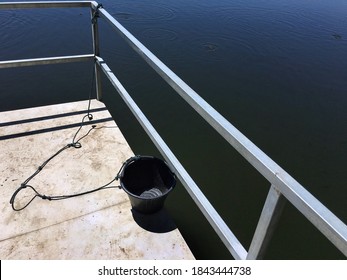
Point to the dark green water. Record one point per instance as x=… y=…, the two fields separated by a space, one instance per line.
x=277 y=70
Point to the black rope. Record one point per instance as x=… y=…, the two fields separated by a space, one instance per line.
x=75 y=144
x=96 y=13
x=54 y=197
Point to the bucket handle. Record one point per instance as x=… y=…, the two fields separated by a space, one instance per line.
x=127 y=162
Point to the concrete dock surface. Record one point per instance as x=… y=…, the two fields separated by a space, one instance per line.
x=100 y=225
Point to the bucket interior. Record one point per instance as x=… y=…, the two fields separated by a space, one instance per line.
x=147 y=178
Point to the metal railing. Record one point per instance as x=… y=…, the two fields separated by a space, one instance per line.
x=283 y=187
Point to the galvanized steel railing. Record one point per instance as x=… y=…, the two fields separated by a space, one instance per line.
x=282 y=186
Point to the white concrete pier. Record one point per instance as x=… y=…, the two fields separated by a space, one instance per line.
x=95 y=226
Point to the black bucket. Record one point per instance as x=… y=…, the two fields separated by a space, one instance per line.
x=147 y=180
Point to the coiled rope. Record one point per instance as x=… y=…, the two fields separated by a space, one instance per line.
x=75 y=144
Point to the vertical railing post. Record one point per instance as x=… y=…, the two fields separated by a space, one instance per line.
x=269 y=217
x=96 y=50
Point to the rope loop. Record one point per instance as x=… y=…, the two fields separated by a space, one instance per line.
x=76 y=144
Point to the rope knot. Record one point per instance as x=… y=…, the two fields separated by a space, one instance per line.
x=96 y=13
x=46 y=197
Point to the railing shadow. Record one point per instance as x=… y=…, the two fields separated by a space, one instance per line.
x=55 y=128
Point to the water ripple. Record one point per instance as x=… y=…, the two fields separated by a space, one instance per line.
x=24 y=33
x=14 y=27
x=159 y=33
x=149 y=12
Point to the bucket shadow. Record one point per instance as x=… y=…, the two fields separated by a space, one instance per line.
x=158 y=222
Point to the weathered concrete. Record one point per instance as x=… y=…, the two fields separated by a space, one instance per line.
x=100 y=225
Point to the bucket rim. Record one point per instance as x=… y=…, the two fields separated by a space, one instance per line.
x=132 y=159
x=135 y=158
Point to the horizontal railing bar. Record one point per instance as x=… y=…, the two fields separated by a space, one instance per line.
x=332 y=227
x=223 y=231
x=45 y=4
x=45 y=61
